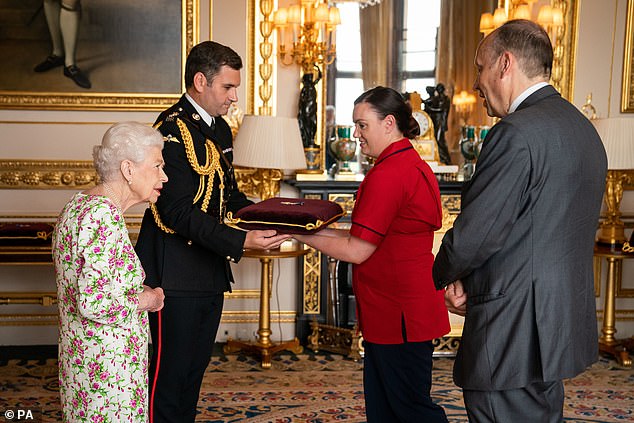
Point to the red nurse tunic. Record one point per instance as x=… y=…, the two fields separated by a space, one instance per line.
x=398 y=209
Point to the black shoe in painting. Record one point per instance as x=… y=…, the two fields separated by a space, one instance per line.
x=74 y=73
x=49 y=63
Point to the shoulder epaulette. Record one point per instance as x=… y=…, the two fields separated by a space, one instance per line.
x=173 y=115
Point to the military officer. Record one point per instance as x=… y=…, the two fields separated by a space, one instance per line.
x=183 y=244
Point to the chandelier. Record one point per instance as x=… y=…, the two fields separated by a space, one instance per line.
x=306 y=33
x=549 y=17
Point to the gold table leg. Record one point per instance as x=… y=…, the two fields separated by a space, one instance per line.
x=607 y=343
x=263 y=345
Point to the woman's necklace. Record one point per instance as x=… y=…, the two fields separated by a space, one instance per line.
x=114 y=197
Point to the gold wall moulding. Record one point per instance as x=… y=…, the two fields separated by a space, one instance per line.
x=50 y=298
x=242 y=294
x=627 y=93
x=39 y=298
x=621 y=315
x=80 y=174
x=126 y=93
x=51 y=319
x=48 y=174
x=61 y=101
x=47 y=319
x=253 y=316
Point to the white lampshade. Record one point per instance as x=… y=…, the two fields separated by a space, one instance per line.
x=617 y=135
x=269 y=142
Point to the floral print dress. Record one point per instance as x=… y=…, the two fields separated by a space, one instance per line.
x=103 y=339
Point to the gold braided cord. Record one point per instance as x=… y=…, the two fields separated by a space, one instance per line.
x=159 y=222
x=210 y=169
x=318 y=223
x=627 y=248
x=201 y=187
x=213 y=157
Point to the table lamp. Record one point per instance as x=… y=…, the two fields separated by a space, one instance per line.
x=617 y=135
x=270 y=144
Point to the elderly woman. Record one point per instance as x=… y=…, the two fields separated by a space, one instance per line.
x=103 y=303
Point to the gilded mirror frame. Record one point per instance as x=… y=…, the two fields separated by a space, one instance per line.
x=627 y=93
x=120 y=101
x=565 y=48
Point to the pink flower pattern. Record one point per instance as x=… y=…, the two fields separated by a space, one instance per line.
x=103 y=339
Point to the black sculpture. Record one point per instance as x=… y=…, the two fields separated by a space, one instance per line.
x=307 y=113
x=437 y=107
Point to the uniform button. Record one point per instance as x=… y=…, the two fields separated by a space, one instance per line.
x=228 y=257
x=189 y=242
x=233 y=260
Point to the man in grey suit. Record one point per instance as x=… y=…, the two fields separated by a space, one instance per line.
x=518 y=261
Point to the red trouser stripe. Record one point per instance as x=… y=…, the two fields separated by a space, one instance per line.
x=156 y=370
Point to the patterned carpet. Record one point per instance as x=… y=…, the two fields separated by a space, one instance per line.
x=312 y=389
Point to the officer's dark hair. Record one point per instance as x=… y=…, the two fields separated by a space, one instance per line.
x=386 y=101
x=208 y=57
x=528 y=42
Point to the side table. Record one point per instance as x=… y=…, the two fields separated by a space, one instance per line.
x=263 y=345
x=607 y=342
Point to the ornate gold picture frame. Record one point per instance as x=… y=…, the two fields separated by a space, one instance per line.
x=133 y=53
x=627 y=94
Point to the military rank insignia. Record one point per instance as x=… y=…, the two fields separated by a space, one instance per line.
x=171 y=116
x=170 y=138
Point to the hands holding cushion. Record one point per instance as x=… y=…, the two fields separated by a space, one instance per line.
x=270 y=222
x=287 y=215
x=264 y=240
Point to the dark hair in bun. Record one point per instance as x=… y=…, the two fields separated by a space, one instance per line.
x=386 y=101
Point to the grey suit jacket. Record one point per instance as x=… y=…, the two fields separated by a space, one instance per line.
x=523 y=247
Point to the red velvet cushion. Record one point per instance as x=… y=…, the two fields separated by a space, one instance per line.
x=26 y=233
x=288 y=215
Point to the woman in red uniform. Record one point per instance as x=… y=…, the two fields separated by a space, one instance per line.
x=390 y=241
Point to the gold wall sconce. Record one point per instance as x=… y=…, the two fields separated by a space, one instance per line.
x=306 y=33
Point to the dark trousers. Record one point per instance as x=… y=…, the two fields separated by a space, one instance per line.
x=540 y=402
x=183 y=335
x=397 y=383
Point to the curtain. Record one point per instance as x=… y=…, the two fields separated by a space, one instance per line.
x=376 y=24
x=458 y=38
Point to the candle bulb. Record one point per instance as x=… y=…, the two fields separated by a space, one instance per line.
x=280 y=19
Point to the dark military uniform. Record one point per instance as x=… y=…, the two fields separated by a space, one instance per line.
x=186 y=250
